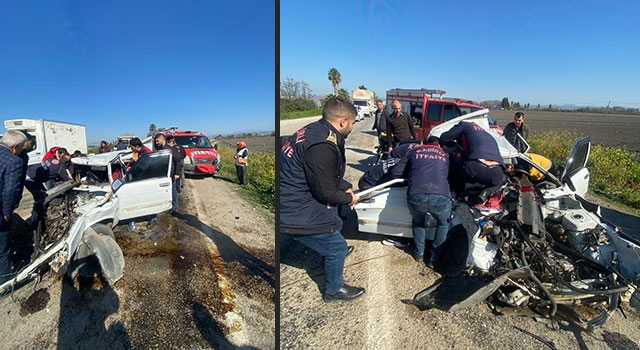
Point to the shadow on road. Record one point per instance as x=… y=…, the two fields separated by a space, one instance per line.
x=363 y=164
x=230 y=251
x=83 y=317
x=296 y=254
x=210 y=330
x=359 y=150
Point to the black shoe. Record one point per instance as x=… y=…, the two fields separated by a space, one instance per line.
x=346 y=293
x=418 y=258
x=350 y=250
x=429 y=264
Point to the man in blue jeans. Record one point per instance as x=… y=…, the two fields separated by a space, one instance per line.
x=312 y=165
x=428 y=193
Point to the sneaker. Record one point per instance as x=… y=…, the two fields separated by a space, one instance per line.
x=418 y=258
x=132 y=226
x=395 y=242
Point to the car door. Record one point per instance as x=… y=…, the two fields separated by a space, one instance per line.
x=146 y=189
x=433 y=117
x=576 y=174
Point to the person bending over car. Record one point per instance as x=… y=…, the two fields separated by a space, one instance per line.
x=479 y=160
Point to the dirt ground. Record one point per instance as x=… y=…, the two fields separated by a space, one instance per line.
x=204 y=279
x=380 y=320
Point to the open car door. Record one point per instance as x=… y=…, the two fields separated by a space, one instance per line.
x=146 y=189
x=576 y=174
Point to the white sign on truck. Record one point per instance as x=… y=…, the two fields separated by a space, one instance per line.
x=49 y=133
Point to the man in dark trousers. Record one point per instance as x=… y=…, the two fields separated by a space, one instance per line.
x=241 y=158
x=399 y=126
x=11 y=166
x=171 y=141
x=478 y=162
x=24 y=155
x=161 y=144
x=515 y=128
x=427 y=169
x=312 y=165
x=380 y=125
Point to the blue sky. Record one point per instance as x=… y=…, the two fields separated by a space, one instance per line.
x=118 y=66
x=547 y=52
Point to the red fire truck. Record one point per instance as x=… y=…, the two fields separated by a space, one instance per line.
x=202 y=158
x=428 y=111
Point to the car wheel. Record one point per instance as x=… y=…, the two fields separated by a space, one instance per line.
x=84 y=262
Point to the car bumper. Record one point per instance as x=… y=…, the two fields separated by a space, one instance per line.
x=192 y=169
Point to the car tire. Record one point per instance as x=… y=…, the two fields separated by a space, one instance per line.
x=84 y=263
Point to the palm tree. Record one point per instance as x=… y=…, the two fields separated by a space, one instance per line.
x=335 y=78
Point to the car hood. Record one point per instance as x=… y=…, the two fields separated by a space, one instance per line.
x=480 y=117
x=101 y=159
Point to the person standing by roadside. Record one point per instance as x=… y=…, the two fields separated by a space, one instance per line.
x=515 y=128
x=24 y=155
x=104 y=147
x=399 y=126
x=121 y=145
x=183 y=154
x=161 y=143
x=312 y=165
x=139 y=150
x=428 y=193
x=241 y=158
x=379 y=123
x=11 y=166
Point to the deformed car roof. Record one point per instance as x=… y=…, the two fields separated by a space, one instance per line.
x=101 y=159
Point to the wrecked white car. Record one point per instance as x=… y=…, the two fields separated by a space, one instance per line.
x=542 y=250
x=73 y=232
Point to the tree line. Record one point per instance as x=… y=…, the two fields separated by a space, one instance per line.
x=513 y=105
x=297 y=96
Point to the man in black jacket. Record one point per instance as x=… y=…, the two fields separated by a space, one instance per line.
x=160 y=144
x=11 y=167
x=515 y=128
x=399 y=126
x=312 y=165
x=183 y=154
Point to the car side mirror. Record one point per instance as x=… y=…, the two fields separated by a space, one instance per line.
x=116 y=185
x=215 y=146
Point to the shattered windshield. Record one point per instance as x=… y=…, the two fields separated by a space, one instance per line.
x=193 y=141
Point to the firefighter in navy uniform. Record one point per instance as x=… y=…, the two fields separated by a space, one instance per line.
x=312 y=165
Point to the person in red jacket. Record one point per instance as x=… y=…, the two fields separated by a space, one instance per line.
x=52 y=153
